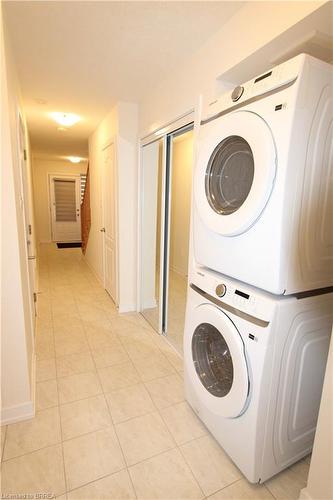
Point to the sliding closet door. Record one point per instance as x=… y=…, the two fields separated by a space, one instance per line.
x=179 y=211
x=152 y=232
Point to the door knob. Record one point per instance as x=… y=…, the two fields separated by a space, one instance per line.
x=102 y=230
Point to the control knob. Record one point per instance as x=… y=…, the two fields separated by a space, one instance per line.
x=221 y=290
x=237 y=93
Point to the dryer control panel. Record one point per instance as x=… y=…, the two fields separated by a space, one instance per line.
x=270 y=81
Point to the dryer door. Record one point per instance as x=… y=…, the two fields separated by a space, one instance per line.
x=235 y=172
x=217 y=361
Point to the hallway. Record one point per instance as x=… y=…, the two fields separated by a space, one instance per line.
x=111 y=421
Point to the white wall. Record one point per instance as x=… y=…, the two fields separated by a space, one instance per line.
x=41 y=170
x=17 y=342
x=253 y=26
x=320 y=479
x=120 y=125
x=181 y=191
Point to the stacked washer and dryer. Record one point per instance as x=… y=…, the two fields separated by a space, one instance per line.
x=260 y=301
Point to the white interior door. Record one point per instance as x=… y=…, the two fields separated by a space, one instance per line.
x=27 y=206
x=109 y=229
x=65 y=208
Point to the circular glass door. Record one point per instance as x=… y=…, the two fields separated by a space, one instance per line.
x=214 y=356
x=212 y=360
x=235 y=172
x=229 y=175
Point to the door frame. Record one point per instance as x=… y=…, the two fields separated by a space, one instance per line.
x=112 y=141
x=163 y=132
x=167 y=232
x=51 y=195
x=26 y=204
x=162 y=229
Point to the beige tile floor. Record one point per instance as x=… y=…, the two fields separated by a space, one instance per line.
x=111 y=420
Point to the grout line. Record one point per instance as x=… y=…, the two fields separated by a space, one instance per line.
x=95 y=481
x=4 y=442
x=32 y=451
x=61 y=431
x=111 y=419
x=225 y=487
x=140 y=381
x=191 y=471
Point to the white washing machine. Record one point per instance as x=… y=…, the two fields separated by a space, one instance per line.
x=254 y=367
x=263 y=181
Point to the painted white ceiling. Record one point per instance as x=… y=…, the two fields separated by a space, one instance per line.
x=82 y=57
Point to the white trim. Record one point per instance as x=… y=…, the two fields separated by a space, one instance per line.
x=99 y=279
x=162 y=235
x=139 y=227
x=184 y=120
x=165 y=254
x=17 y=413
x=169 y=127
x=305 y=495
x=125 y=308
x=23 y=411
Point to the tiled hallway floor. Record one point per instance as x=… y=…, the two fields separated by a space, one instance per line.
x=111 y=420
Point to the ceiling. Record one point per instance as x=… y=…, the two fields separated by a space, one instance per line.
x=82 y=57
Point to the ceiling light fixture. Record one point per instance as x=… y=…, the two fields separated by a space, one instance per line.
x=74 y=159
x=65 y=119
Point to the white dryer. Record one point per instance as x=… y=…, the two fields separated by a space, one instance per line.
x=263 y=181
x=254 y=365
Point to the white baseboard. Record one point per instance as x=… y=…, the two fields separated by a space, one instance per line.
x=23 y=411
x=150 y=304
x=304 y=495
x=99 y=279
x=125 y=308
x=17 y=413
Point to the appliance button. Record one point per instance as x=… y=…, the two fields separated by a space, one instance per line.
x=237 y=93
x=221 y=290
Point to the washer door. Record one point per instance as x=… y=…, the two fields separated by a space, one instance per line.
x=235 y=172
x=217 y=361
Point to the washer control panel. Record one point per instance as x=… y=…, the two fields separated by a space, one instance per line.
x=236 y=294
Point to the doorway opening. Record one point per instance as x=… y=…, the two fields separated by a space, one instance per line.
x=65 y=197
x=166 y=187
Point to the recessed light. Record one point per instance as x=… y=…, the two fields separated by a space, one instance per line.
x=74 y=159
x=65 y=119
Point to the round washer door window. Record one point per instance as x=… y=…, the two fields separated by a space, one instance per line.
x=215 y=361
x=235 y=172
x=212 y=360
x=229 y=175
